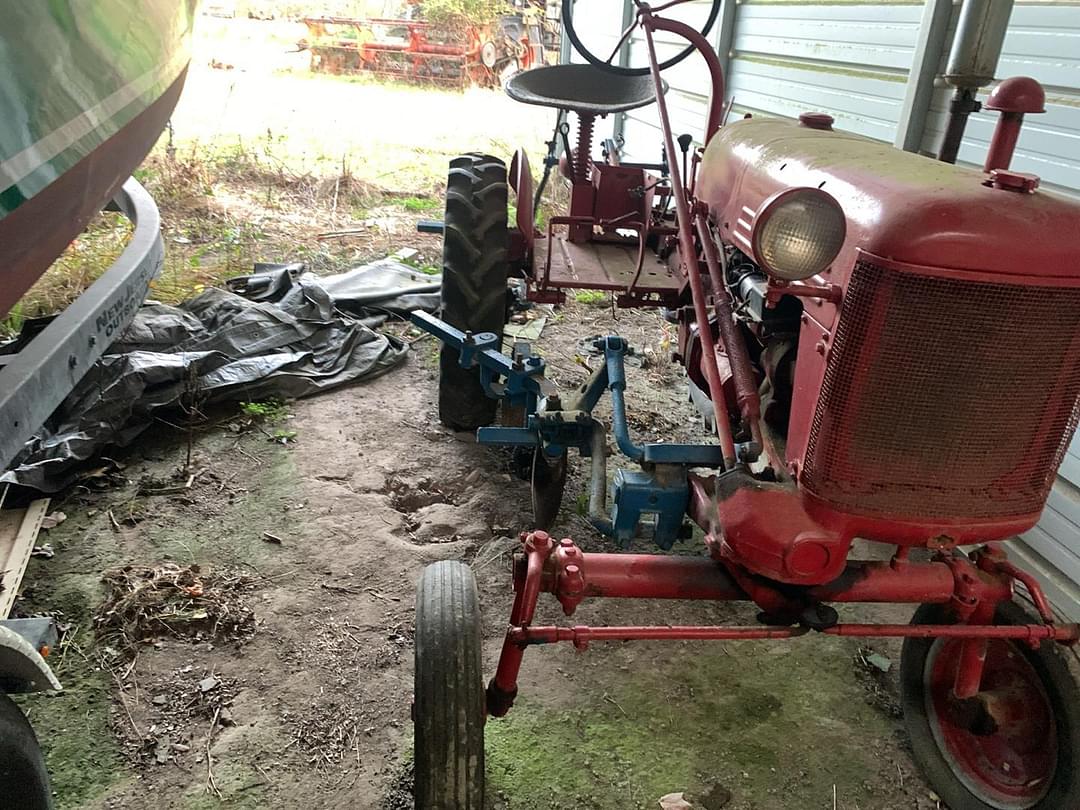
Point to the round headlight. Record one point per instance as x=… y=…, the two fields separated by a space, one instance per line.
x=798 y=232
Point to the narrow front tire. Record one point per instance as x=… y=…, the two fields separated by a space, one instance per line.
x=448 y=721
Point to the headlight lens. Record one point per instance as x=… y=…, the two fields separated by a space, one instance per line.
x=798 y=232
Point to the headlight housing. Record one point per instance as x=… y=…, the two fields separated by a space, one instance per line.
x=798 y=232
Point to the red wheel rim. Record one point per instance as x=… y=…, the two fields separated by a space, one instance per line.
x=1002 y=747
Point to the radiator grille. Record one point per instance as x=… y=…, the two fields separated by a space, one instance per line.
x=945 y=398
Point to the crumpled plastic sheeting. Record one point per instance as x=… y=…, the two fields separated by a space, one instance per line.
x=219 y=345
x=386 y=286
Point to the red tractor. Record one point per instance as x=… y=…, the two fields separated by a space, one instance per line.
x=885 y=347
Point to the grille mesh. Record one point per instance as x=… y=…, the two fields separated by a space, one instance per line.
x=945 y=398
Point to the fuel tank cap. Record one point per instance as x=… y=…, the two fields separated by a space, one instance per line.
x=816 y=120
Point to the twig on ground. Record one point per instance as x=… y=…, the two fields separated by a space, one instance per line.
x=171 y=490
x=613 y=702
x=378 y=595
x=211 y=783
x=338 y=234
x=120 y=692
x=352 y=638
x=339 y=588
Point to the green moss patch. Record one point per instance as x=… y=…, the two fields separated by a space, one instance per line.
x=752 y=722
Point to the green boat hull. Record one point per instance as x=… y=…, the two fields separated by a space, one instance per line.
x=86 y=87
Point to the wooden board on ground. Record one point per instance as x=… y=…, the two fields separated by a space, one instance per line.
x=18 y=530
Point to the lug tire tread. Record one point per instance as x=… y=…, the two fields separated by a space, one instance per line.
x=475 y=245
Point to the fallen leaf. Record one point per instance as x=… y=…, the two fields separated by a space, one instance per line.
x=53 y=520
x=675 y=801
x=206 y=684
x=879 y=661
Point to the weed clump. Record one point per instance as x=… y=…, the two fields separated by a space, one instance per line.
x=592 y=298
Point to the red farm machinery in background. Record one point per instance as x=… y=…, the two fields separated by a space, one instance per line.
x=421 y=51
x=883 y=346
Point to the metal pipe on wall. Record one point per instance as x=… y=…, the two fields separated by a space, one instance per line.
x=976 y=49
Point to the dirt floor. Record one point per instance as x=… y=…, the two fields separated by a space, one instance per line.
x=304 y=531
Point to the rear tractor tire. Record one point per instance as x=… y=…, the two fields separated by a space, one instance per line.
x=474 y=295
x=1014 y=747
x=448 y=709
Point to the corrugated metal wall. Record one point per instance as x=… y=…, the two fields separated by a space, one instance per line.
x=789 y=57
x=687 y=97
x=1052 y=549
x=854 y=61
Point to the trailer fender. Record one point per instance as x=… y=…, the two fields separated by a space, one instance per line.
x=22 y=668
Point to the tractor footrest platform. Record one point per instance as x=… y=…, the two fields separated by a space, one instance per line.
x=605 y=266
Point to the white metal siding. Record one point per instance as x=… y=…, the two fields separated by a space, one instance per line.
x=688 y=94
x=850 y=60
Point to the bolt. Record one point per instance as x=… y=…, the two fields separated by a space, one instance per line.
x=468 y=338
x=820 y=347
x=566 y=542
x=93 y=341
x=72 y=361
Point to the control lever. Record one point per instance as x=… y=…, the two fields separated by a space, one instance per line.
x=684 y=144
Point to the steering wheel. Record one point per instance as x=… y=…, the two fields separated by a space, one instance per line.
x=568 y=28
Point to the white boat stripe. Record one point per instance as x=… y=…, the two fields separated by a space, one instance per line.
x=25 y=162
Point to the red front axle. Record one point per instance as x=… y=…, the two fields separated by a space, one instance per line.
x=972 y=587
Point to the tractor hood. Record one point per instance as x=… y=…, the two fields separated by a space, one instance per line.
x=899 y=206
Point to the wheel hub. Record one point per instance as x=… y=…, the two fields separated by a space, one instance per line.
x=1001 y=744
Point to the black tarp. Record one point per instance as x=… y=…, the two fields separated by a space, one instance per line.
x=303 y=335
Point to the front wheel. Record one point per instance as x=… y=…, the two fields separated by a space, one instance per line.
x=1016 y=745
x=448 y=720
x=22 y=767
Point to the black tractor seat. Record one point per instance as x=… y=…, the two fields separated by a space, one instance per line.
x=583 y=89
